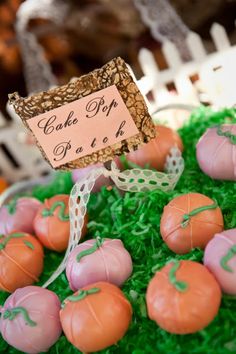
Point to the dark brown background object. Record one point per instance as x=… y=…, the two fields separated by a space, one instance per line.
x=94 y=32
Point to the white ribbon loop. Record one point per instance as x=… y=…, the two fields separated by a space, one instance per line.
x=140 y=180
x=80 y=191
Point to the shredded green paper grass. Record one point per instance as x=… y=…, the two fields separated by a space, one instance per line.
x=135 y=218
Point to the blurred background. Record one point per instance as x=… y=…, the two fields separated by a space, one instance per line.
x=94 y=31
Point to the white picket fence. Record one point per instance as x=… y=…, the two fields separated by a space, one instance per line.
x=19 y=161
x=180 y=73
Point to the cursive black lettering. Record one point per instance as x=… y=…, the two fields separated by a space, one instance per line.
x=79 y=150
x=93 y=143
x=60 y=150
x=59 y=126
x=48 y=127
x=47 y=124
x=105 y=140
x=97 y=105
x=120 y=132
x=69 y=121
x=93 y=106
x=113 y=104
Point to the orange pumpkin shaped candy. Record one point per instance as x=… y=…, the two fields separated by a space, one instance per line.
x=21 y=261
x=52 y=223
x=183 y=297
x=156 y=151
x=3 y=184
x=96 y=317
x=190 y=220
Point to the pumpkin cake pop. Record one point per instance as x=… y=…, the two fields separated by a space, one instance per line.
x=190 y=220
x=52 y=223
x=98 y=260
x=3 y=184
x=18 y=215
x=183 y=297
x=30 y=319
x=96 y=317
x=220 y=259
x=216 y=152
x=21 y=261
x=156 y=151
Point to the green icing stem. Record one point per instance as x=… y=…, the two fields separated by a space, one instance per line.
x=186 y=217
x=98 y=243
x=15 y=235
x=81 y=295
x=181 y=286
x=224 y=260
x=62 y=216
x=11 y=206
x=29 y=244
x=227 y=134
x=11 y=314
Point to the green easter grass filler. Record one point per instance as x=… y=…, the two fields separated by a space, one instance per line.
x=135 y=219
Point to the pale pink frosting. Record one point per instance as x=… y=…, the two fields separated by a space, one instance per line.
x=217 y=248
x=216 y=155
x=22 y=219
x=43 y=307
x=111 y=262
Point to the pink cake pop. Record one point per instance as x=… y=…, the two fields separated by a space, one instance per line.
x=78 y=174
x=98 y=260
x=18 y=215
x=30 y=319
x=216 y=152
x=220 y=259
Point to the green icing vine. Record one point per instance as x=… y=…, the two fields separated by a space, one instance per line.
x=62 y=216
x=229 y=255
x=98 y=243
x=81 y=295
x=181 y=286
x=15 y=235
x=227 y=134
x=186 y=217
x=11 y=314
x=11 y=206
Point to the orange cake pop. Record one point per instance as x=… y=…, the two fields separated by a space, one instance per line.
x=21 y=261
x=3 y=184
x=190 y=220
x=156 y=151
x=96 y=317
x=52 y=223
x=183 y=297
